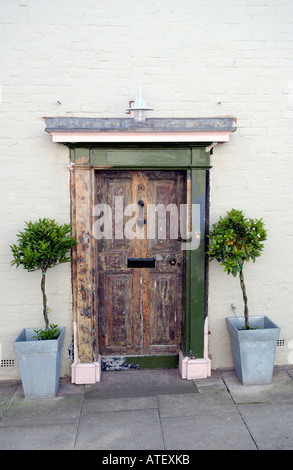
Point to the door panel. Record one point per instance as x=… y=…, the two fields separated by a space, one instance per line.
x=140 y=310
x=118 y=299
x=118 y=312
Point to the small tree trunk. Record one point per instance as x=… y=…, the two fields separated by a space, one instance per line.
x=243 y=288
x=43 y=285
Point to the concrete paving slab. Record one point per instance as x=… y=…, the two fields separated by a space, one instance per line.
x=7 y=390
x=289 y=370
x=219 y=431
x=212 y=384
x=93 y=405
x=270 y=424
x=147 y=410
x=68 y=388
x=46 y=411
x=8 y=387
x=194 y=404
x=135 y=383
x=280 y=389
x=123 y=430
x=38 y=437
x=4 y=401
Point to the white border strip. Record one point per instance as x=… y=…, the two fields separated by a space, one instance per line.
x=109 y=137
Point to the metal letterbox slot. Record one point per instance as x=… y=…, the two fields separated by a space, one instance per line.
x=141 y=262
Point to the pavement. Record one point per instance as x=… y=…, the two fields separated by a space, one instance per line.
x=152 y=411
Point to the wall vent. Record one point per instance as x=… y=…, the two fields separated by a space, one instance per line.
x=280 y=342
x=7 y=363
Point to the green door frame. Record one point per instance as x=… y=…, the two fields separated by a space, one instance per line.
x=85 y=160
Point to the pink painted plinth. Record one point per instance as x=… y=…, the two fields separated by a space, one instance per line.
x=82 y=374
x=201 y=368
x=192 y=369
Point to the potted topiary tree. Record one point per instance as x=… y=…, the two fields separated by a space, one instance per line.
x=235 y=240
x=41 y=245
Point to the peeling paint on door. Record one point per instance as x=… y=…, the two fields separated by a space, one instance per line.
x=150 y=298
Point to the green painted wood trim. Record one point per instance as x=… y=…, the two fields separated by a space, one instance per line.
x=186 y=339
x=78 y=152
x=155 y=362
x=199 y=157
x=140 y=362
x=162 y=157
x=197 y=270
x=142 y=158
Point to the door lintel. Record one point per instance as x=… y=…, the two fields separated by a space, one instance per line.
x=124 y=130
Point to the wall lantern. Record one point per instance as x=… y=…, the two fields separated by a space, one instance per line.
x=139 y=107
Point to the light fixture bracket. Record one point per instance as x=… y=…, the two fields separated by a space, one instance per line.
x=139 y=107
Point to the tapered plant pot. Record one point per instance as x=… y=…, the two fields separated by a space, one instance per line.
x=253 y=350
x=39 y=363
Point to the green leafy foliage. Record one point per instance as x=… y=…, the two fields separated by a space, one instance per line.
x=52 y=333
x=236 y=239
x=42 y=245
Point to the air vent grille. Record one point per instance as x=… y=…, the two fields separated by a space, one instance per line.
x=7 y=363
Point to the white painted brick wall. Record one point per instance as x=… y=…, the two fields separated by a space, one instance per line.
x=193 y=58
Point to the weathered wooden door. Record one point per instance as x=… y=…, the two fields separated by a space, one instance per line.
x=139 y=262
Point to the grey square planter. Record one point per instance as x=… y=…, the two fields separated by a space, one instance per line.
x=39 y=363
x=253 y=350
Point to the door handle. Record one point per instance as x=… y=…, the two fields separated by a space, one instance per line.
x=140 y=219
x=172 y=261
